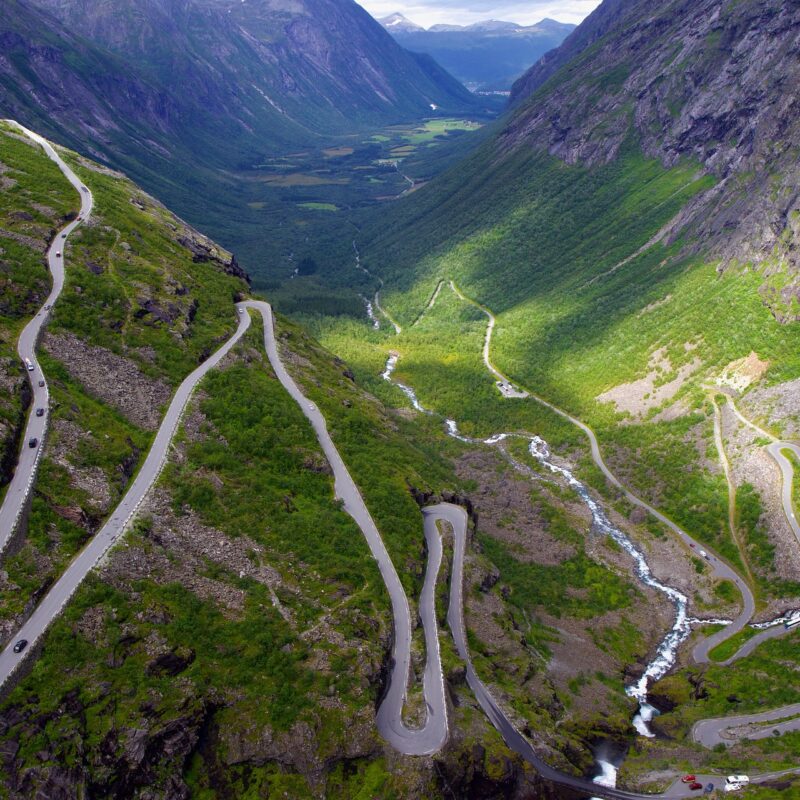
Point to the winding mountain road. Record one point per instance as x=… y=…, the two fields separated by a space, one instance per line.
x=708 y=730
x=775 y=448
x=61 y=592
x=19 y=488
x=456 y=518
x=720 y=569
x=711 y=732
x=411 y=741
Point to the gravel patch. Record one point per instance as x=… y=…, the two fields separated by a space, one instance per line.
x=111 y=377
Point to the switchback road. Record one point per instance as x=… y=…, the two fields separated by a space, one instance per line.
x=775 y=448
x=58 y=596
x=413 y=741
x=21 y=484
x=711 y=732
x=432 y=736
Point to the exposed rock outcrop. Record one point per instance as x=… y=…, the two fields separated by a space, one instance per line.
x=111 y=377
x=711 y=80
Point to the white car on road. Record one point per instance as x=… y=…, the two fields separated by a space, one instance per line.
x=735 y=782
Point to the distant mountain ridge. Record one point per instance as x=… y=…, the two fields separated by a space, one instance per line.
x=188 y=96
x=287 y=55
x=398 y=22
x=149 y=85
x=712 y=81
x=488 y=54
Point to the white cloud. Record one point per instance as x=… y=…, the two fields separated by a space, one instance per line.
x=465 y=12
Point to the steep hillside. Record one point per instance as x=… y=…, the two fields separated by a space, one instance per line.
x=237 y=641
x=712 y=81
x=630 y=234
x=58 y=82
x=636 y=265
x=484 y=56
x=146 y=299
x=33 y=201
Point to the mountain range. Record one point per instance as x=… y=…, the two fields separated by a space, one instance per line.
x=180 y=94
x=485 y=56
x=576 y=325
x=720 y=95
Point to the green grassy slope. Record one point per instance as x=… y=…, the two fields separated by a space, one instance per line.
x=241 y=630
x=567 y=258
x=133 y=289
x=244 y=612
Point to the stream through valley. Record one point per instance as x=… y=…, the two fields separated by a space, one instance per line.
x=667 y=651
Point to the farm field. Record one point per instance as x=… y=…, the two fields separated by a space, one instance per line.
x=285 y=193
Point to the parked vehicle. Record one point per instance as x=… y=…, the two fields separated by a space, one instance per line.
x=688 y=779
x=709 y=788
x=735 y=782
x=790 y=623
x=20 y=645
x=33 y=442
x=696 y=786
x=39 y=412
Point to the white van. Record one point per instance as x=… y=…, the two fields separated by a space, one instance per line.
x=735 y=782
x=28 y=365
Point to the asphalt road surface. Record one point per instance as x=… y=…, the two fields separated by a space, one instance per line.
x=679 y=789
x=389 y=719
x=456 y=517
x=58 y=596
x=752 y=643
x=710 y=732
x=787 y=470
x=36 y=427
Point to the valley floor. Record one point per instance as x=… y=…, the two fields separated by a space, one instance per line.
x=579 y=593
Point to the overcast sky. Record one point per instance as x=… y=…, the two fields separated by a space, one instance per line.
x=465 y=12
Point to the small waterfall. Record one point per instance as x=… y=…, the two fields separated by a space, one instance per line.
x=667 y=651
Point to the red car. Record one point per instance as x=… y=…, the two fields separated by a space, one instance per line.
x=695 y=786
x=688 y=779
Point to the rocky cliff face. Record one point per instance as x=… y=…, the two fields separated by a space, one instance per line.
x=57 y=81
x=714 y=81
x=265 y=67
